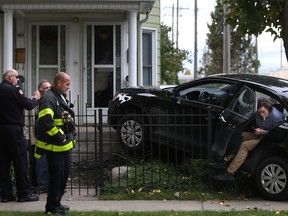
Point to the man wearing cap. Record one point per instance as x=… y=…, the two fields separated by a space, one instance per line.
x=13 y=147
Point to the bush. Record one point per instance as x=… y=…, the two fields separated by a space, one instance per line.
x=158 y=180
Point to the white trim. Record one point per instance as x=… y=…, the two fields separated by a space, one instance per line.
x=8 y=39
x=1 y=40
x=132 y=19
x=124 y=57
x=113 y=66
x=74 y=6
x=28 y=67
x=154 y=49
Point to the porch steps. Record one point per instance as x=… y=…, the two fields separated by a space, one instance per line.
x=87 y=143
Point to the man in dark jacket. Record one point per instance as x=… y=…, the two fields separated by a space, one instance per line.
x=12 y=141
x=267 y=118
x=55 y=137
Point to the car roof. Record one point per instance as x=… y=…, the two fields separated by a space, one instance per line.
x=275 y=84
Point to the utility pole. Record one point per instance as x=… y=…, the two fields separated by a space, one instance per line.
x=226 y=43
x=177 y=24
x=195 y=42
x=256 y=44
x=178 y=9
x=173 y=23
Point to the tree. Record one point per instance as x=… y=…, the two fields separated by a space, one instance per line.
x=171 y=58
x=255 y=16
x=243 y=51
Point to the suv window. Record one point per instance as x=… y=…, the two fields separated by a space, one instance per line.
x=212 y=92
x=244 y=102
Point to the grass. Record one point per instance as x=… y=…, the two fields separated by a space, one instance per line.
x=161 y=181
x=192 y=181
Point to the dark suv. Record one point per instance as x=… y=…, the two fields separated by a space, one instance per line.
x=232 y=102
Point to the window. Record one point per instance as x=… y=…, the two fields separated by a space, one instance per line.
x=213 y=92
x=48 y=51
x=103 y=45
x=100 y=46
x=48 y=41
x=244 y=102
x=148 y=59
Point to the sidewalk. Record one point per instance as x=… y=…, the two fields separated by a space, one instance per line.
x=83 y=203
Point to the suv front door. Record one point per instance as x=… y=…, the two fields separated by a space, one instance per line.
x=232 y=121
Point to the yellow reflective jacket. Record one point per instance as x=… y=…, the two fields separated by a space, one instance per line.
x=53 y=134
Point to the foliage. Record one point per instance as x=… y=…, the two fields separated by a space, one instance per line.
x=158 y=180
x=255 y=16
x=243 y=51
x=171 y=58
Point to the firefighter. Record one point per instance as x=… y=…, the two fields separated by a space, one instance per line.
x=13 y=144
x=55 y=138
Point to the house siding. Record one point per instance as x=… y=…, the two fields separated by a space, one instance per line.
x=153 y=22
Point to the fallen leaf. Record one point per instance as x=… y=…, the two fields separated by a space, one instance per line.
x=157 y=191
x=267 y=204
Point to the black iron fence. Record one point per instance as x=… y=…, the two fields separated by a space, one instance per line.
x=173 y=141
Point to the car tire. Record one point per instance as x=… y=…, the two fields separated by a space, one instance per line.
x=272 y=178
x=132 y=133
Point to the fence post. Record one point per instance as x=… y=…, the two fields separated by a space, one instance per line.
x=101 y=166
x=209 y=131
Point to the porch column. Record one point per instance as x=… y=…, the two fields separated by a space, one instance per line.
x=132 y=48
x=8 y=39
x=1 y=39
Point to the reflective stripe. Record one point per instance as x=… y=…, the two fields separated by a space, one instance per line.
x=54 y=131
x=37 y=155
x=46 y=111
x=58 y=122
x=55 y=148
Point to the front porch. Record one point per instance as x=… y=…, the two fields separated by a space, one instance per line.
x=98 y=43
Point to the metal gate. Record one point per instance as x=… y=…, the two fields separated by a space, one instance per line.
x=100 y=164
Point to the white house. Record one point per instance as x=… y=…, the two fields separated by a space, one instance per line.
x=98 y=42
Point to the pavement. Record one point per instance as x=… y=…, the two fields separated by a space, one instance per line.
x=81 y=203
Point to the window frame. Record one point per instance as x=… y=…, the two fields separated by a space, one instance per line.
x=154 y=79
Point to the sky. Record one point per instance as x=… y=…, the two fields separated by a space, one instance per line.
x=270 y=53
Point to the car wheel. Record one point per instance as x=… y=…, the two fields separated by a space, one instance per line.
x=272 y=178
x=131 y=132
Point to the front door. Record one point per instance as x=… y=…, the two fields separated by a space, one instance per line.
x=233 y=120
x=47 y=44
x=102 y=64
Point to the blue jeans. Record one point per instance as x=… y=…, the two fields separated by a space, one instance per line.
x=42 y=172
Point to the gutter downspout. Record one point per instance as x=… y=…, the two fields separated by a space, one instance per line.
x=140 y=50
x=145 y=19
x=132 y=20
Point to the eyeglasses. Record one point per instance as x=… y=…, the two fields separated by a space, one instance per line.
x=17 y=77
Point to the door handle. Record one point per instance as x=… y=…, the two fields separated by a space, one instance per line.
x=222 y=118
x=231 y=125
